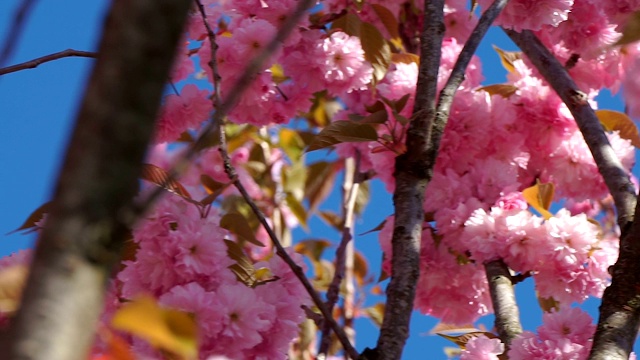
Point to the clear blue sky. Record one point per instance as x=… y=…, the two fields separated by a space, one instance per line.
x=37 y=108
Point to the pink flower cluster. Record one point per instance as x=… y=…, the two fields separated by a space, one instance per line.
x=182 y=260
x=564 y=334
x=493 y=148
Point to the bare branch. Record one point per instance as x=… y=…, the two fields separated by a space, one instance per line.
x=217 y=124
x=16 y=28
x=615 y=177
x=350 y=188
x=81 y=243
x=620 y=309
x=503 y=299
x=31 y=64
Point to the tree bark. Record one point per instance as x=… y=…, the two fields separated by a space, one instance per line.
x=503 y=299
x=86 y=228
x=412 y=173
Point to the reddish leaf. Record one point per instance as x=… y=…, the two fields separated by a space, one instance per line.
x=160 y=177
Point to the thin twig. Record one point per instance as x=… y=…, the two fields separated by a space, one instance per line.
x=16 y=28
x=503 y=298
x=350 y=188
x=217 y=125
x=31 y=64
x=456 y=77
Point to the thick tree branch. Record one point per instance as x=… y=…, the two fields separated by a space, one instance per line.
x=85 y=230
x=614 y=175
x=217 y=125
x=414 y=169
x=13 y=35
x=620 y=309
x=503 y=299
x=31 y=64
x=412 y=174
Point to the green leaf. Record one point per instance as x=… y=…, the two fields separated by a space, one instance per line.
x=376 y=50
x=237 y=224
x=34 y=217
x=343 y=131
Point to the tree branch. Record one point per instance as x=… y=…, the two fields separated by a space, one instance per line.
x=414 y=169
x=614 y=175
x=81 y=243
x=31 y=64
x=350 y=188
x=412 y=173
x=445 y=101
x=217 y=125
x=503 y=299
x=13 y=35
x=620 y=309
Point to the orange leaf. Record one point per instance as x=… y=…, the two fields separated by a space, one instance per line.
x=617 y=121
x=170 y=330
x=540 y=196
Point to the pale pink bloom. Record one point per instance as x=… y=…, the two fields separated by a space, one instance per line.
x=482 y=348
x=344 y=66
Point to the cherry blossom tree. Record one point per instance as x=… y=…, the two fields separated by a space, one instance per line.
x=492 y=184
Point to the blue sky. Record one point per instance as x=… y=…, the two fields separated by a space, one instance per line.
x=37 y=108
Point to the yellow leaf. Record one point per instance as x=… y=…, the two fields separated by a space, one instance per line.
x=631 y=30
x=507 y=58
x=12 y=280
x=277 y=74
x=548 y=304
x=617 y=121
x=540 y=196
x=504 y=90
x=170 y=330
